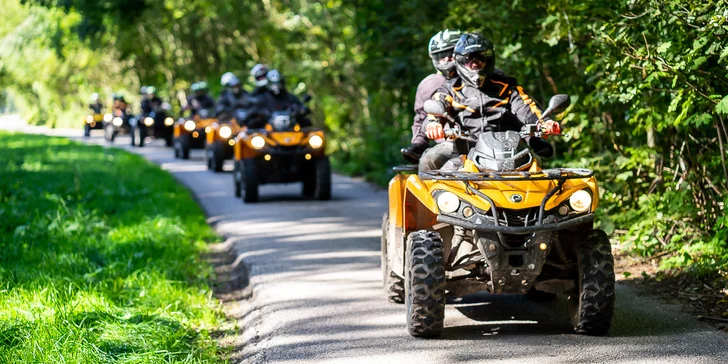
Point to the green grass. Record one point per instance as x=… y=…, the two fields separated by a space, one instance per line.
x=100 y=259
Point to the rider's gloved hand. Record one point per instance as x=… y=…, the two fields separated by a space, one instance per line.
x=434 y=130
x=550 y=127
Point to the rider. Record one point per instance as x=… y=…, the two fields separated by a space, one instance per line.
x=120 y=104
x=440 y=51
x=484 y=100
x=200 y=100
x=233 y=97
x=150 y=101
x=96 y=104
x=280 y=99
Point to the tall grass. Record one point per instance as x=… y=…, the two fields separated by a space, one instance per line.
x=99 y=259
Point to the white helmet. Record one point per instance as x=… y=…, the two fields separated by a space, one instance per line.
x=258 y=74
x=95 y=96
x=275 y=81
x=229 y=80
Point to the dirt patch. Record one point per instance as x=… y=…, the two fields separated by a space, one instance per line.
x=705 y=297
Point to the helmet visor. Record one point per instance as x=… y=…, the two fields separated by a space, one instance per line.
x=474 y=61
x=443 y=57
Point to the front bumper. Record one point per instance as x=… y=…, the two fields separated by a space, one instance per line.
x=550 y=223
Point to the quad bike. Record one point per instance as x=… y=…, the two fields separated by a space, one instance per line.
x=282 y=152
x=94 y=122
x=501 y=224
x=118 y=123
x=189 y=133
x=157 y=124
x=220 y=139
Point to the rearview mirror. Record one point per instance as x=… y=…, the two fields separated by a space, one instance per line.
x=434 y=107
x=558 y=103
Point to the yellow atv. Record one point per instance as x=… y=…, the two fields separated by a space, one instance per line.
x=221 y=140
x=497 y=223
x=94 y=121
x=281 y=152
x=189 y=133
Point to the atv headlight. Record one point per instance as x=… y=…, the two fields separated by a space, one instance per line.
x=108 y=117
x=316 y=142
x=447 y=202
x=89 y=119
x=257 y=142
x=580 y=201
x=168 y=121
x=118 y=121
x=190 y=125
x=225 y=131
x=148 y=121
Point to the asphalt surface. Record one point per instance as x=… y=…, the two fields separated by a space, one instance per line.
x=316 y=296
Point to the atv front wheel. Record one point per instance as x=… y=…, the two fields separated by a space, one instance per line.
x=592 y=310
x=249 y=182
x=182 y=147
x=168 y=140
x=87 y=130
x=309 y=181
x=323 y=179
x=393 y=285
x=216 y=157
x=237 y=176
x=425 y=284
x=109 y=133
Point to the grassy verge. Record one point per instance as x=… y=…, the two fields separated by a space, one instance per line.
x=99 y=259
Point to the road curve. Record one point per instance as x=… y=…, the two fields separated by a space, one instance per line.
x=316 y=294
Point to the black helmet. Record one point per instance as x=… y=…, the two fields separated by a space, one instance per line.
x=441 y=47
x=474 y=58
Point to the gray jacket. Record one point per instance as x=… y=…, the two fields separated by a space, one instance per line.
x=425 y=90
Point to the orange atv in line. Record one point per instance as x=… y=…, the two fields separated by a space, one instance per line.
x=220 y=139
x=281 y=152
x=189 y=133
x=497 y=223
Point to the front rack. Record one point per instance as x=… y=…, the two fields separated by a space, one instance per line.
x=560 y=174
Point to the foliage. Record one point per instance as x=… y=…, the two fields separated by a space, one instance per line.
x=647 y=77
x=99 y=258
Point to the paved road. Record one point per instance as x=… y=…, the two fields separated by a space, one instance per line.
x=316 y=296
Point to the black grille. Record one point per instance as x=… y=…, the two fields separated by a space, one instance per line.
x=525 y=217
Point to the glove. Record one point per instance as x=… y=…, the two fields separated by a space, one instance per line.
x=550 y=127
x=434 y=130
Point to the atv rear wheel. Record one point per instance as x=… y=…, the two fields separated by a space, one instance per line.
x=323 y=179
x=425 y=284
x=237 y=176
x=393 y=285
x=592 y=310
x=249 y=182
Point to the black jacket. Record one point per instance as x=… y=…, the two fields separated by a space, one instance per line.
x=203 y=102
x=149 y=105
x=499 y=104
x=286 y=101
x=97 y=107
